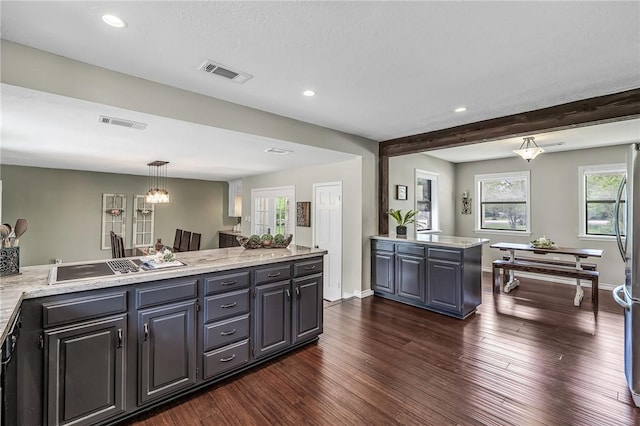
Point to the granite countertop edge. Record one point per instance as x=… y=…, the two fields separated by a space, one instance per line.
x=32 y=282
x=435 y=240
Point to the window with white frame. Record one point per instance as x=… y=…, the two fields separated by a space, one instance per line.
x=426 y=201
x=273 y=211
x=598 y=196
x=503 y=202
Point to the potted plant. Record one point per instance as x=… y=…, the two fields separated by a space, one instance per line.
x=403 y=220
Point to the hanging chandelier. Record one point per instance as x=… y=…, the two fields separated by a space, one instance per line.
x=529 y=149
x=157 y=192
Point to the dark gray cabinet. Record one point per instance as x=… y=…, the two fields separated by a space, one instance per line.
x=226 y=323
x=167 y=349
x=99 y=356
x=85 y=370
x=444 y=285
x=307 y=307
x=447 y=280
x=411 y=277
x=383 y=267
x=273 y=318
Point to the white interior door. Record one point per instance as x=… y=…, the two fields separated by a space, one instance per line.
x=327 y=234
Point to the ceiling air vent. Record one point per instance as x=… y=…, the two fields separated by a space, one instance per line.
x=278 y=151
x=122 y=122
x=236 y=76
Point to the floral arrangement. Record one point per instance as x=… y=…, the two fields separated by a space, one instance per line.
x=115 y=212
x=543 y=242
x=164 y=255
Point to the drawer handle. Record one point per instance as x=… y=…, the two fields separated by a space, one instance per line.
x=228 y=359
x=227 y=333
x=228 y=305
x=277 y=274
x=228 y=282
x=310 y=268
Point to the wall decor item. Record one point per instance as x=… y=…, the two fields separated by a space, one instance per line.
x=114 y=207
x=143 y=222
x=303 y=213
x=466 y=205
x=401 y=192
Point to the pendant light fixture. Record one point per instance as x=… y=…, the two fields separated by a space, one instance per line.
x=529 y=149
x=157 y=192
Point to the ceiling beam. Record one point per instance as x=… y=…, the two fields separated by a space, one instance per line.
x=614 y=107
x=572 y=114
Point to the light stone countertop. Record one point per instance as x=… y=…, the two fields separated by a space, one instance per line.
x=435 y=239
x=32 y=280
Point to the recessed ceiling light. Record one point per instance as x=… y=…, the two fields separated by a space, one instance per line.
x=114 y=21
x=460 y=109
x=309 y=93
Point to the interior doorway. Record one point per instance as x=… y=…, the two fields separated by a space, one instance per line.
x=327 y=234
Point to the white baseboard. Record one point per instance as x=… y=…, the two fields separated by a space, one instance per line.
x=362 y=294
x=559 y=280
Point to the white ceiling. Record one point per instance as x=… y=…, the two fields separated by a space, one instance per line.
x=382 y=70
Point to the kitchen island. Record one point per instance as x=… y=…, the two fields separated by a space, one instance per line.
x=97 y=350
x=439 y=273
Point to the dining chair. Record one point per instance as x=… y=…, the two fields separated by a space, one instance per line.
x=186 y=239
x=194 y=245
x=177 y=239
x=117 y=246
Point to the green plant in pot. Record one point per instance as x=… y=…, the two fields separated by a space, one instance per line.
x=402 y=220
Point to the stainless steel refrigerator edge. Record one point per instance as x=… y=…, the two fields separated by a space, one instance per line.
x=628 y=294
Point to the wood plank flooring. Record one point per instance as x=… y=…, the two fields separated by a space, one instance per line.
x=526 y=358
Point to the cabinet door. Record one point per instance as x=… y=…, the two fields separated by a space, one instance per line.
x=383 y=265
x=444 y=285
x=273 y=318
x=411 y=280
x=85 y=371
x=167 y=349
x=307 y=307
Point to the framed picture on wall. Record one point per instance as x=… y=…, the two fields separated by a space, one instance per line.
x=303 y=213
x=401 y=192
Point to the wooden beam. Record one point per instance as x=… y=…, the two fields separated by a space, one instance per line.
x=601 y=109
x=383 y=193
x=572 y=114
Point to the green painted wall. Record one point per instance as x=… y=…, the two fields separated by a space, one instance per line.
x=64 y=209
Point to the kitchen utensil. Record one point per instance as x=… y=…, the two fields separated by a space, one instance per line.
x=20 y=228
x=4 y=231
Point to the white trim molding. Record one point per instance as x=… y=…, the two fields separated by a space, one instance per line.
x=362 y=294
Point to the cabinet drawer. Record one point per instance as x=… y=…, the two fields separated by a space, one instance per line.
x=81 y=308
x=383 y=245
x=306 y=268
x=276 y=273
x=412 y=249
x=226 y=305
x=225 y=359
x=225 y=332
x=226 y=283
x=441 y=254
x=169 y=292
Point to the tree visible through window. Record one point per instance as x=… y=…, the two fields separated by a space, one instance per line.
x=600 y=192
x=504 y=201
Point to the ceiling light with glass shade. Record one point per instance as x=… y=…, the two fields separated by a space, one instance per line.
x=529 y=149
x=157 y=192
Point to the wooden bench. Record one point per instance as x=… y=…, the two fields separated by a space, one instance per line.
x=547 y=268
x=557 y=262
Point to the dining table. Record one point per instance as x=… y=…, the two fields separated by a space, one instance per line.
x=577 y=253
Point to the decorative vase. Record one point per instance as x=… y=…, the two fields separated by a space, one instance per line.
x=401 y=231
x=159 y=245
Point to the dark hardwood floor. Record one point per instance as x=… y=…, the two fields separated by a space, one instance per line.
x=525 y=358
